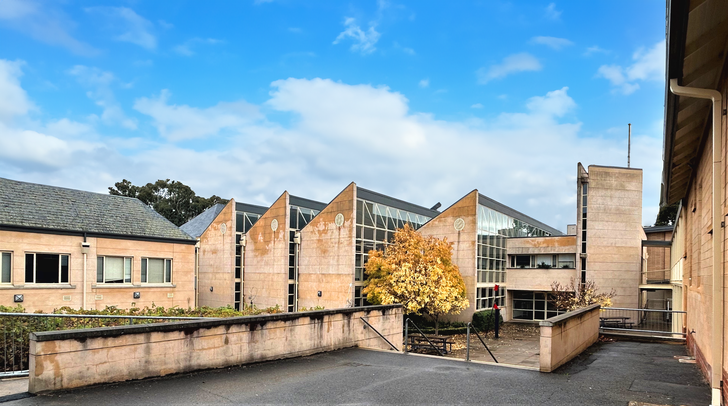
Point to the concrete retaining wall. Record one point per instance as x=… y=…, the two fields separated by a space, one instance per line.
x=75 y=358
x=565 y=336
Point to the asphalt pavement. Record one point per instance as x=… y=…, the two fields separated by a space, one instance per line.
x=606 y=374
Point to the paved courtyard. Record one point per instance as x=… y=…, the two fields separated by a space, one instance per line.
x=606 y=374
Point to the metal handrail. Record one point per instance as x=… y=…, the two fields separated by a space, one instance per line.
x=604 y=309
x=102 y=316
x=481 y=340
x=380 y=334
x=423 y=335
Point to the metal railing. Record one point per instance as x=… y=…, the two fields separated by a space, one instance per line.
x=379 y=334
x=16 y=329
x=406 y=336
x=641 y=322
x=656 y=277
x=467 y=352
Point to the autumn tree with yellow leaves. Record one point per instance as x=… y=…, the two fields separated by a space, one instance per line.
x=417 y=272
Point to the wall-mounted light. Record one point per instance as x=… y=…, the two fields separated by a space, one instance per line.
x=319 y=293
x=210 y=288
x=137 y=295
x=18 y=298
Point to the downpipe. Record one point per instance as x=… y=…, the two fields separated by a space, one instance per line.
x=718 y=254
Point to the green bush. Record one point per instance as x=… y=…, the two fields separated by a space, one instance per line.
x=16 y=329
x=485 y=321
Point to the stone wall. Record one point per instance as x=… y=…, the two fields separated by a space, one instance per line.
x=614 y=232
x=565 y=336
x=76 y=358
x=464 y=244
x=326 y=262
x=46 y=297
x=217 y=259
x=266 y=257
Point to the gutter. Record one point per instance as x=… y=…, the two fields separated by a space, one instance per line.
x=716 y=365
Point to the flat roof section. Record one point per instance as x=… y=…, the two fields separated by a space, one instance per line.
x=502 y=208
x=657 y=229
x=380 y=198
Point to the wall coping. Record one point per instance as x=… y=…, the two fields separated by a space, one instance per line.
x=190 y=326
x=563 y=317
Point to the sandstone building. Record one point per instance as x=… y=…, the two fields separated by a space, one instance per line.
x=63 y=247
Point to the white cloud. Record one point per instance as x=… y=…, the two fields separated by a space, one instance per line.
x=552 y=42
x=186 y=49
x=184 y=122
x=424 y=83
x=476 y=106
x=100 y=83
x=595 y=50
x=14 y=100
x=649 y=65
x=133 y=27
x=305 y=153
x=521 y=62
x=552 y=13
x=364 y=41
x=44 y=23
x=555 y=104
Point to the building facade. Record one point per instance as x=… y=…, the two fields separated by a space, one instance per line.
x=62 y=247
x=696 y=95
x=479 y=229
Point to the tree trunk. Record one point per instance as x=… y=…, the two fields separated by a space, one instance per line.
x=437 y=325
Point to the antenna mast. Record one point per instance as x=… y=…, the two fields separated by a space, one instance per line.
x=629 y=141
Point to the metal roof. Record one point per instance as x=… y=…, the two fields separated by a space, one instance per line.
x=697 y=33
x=250 y=208
x=35 y=207
x=502 y=208
x=306 y=203
x=380 y=198
x=199 y=224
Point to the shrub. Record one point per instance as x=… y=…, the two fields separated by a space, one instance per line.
x=485 y=321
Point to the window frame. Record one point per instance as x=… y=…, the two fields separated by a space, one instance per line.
x=144 y=270
x=35 y=268
x=103 y=270
x=10 y=281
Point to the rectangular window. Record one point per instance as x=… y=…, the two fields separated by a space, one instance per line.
x=5 y=270
x=113 y=270
x=523 y=261
x=567 y=261
x=46 y=268
x=156 y=270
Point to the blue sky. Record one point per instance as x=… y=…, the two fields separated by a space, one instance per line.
x=422 y=100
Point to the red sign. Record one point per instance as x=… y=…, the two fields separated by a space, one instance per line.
x=495 y=306
x=496 y=288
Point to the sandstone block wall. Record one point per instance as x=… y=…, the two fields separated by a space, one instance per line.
x=76 y=358
x=565 y=336
x=46 y=297
x=265 y=278
x=464 y=244
x=326 y=261
x=217 y=260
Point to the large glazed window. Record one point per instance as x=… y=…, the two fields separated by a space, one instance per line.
x=299 y=218
x=244 y=221
x=46 y=268
x=375 y=228
x=5 y=267
x=494 y=228
x=113 y=269
x=156 y=270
